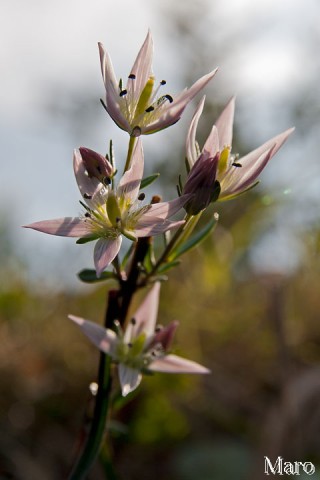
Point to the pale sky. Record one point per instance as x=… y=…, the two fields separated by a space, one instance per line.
x=49 y=51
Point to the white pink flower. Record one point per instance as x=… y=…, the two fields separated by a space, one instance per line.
x=142 y=347
x=227 y=174
x=137 y=107
x=109 y=214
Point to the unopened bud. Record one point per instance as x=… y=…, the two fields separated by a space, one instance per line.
x=96 y=165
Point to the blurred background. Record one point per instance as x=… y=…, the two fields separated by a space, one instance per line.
x=252 y=314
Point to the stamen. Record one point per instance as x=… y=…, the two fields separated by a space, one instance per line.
x=236 y=164
x=150 y=109
x=168 y=97
x=130 y=345
x=122 y=93
x=142 y=196
x=133 y=321
x=87 y=215
x=163 y=82
x=87 y=196
x=132 y=76
x=107 y=180
x=158 y=329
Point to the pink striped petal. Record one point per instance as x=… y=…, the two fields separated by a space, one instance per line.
x=235 y=181
x=172 y=113
x=129 y=379
x=224 y=124
x=175 y=364
x=142 y=68
x=104 y=339
x=274 y=143
x=89 y=186
x=191 y=150
x=105 y=251
x=63 y=227
x=146 y=315
x=112 y=89
x=166 y=209
x=154 y=226
x=212 y=145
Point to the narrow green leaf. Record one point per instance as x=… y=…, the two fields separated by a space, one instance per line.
x=148 y=180
x=90 y=276
x=235 y=195
x=196 y=238
x=168 y=266
x=82 y=240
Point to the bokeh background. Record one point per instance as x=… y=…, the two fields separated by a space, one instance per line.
x=247 y=299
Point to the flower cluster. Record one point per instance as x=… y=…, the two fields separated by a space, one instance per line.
x=113 y=211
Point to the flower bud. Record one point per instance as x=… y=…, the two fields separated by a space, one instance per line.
x=96 y=165
x=202 y=184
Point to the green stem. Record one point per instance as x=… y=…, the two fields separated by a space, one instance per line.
x=166 y=252
x=132 y=142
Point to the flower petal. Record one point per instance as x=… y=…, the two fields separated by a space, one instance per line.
x=130 y=181
x=112 y=92
x=146 y=315
x=90 y=187
x=238 y=179
x=141 y=68
x=165 y=210
x=274 y=143
x=175 y=364
x=172 y=113
x=164 y=336
x=102 y=338
x=105 y=251
x=191 y=150
x=129 y=379
x=224 y=124
x=212 y=145
x=155 y=226
x=63 y=227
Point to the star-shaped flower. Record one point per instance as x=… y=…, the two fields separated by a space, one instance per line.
x=109 y=214
x=223 y=174
x=137 y=107
x=142 y=347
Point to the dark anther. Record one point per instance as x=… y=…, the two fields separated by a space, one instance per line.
x=87 y=196
x=168 y=97
x=130 y=345
x=150 y=109
x=158 y=329
x=118 y=219
x=142 y=196
x=106 y=181
x=132 y=76
x=123 y=92
x=133 y=321
x=236 y=164
x=87 y=215
x=163 y=82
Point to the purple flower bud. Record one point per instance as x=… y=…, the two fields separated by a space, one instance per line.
x=96 y=165
x=202 y=184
